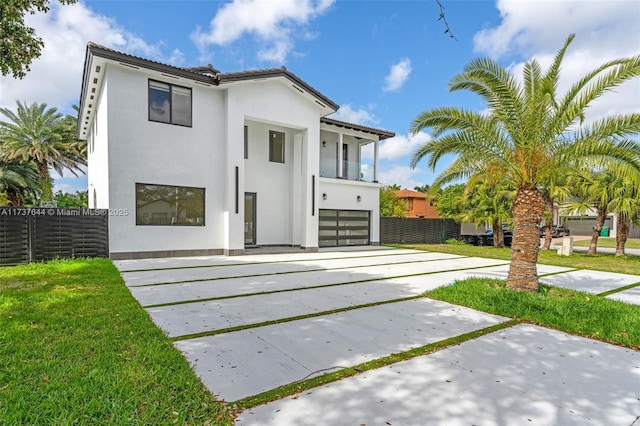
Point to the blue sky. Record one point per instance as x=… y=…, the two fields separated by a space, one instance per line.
x=383 y=62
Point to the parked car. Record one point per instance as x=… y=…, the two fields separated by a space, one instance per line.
x=486 y=239
x=557 y=231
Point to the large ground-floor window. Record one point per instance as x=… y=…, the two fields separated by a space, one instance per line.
x=344 y=228
x=169 y=205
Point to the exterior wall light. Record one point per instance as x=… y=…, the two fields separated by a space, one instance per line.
x=324 y=144
x=359 y=198
x=324 y=196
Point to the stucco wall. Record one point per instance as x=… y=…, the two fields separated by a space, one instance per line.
x=143 y=151
x=342 y=195
x=97 y=158
x=283 y=190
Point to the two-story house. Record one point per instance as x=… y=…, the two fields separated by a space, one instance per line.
x=193 y=161
x=419 y=204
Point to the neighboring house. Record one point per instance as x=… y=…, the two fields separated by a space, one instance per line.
x=582 y=224
x=418 y=204
x=193 y=161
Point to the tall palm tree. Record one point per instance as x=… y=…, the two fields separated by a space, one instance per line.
x=528 y=133
x=42 y=135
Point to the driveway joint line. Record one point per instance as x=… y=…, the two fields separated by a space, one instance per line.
x=288 y=319
x=279 y=261
x=305 y=384
x=290 y=272
x=284 y=290
x=618 y=290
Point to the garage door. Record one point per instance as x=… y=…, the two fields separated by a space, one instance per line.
x=344 y=228
x=583 y=225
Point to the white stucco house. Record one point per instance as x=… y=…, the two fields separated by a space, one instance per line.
x=194 y=161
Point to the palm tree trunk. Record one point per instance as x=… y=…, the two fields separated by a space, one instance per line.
x=602 y=215
x=622 y=233
x=46 y=186
x=548 y=222
x=15 y=200
x=528 y=207
x=498 y=235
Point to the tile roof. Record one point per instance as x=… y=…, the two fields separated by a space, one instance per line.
x=382 y=134
x=108 y=53
x=408 y=193
x=207 y=73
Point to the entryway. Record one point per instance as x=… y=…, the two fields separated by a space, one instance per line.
x=250 y=199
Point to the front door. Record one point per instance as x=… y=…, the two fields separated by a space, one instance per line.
x=250 y=218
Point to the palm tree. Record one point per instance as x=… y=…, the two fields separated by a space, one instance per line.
x=42 y=135
x=527 y=134
x=18 y=181
x=593 y=192
x=626 y=203
x=488 y=200
x=422 y=188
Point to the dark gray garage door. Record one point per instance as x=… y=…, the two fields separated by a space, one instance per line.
x=344 y=228
x=583 y=225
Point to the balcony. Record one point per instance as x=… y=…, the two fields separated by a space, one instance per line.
x=351 y=170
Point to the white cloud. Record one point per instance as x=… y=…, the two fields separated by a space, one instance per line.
x=356 y=116
x=273 y=23
x=398 y=75
x=397 y=147
x=529 y=27
x=605 y=30
x=404 y=176
x=56 y=76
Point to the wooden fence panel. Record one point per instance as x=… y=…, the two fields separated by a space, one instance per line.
x=397 y=230
x=38 y=234
x=14 y=239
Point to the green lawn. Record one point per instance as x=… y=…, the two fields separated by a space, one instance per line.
x=601 y=262
x=567 y=310
x=632 y=243
x=76 y=348
x=571 y=311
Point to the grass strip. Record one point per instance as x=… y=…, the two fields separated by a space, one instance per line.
x=567 y=310
x=260 y=263
x=302 y=385
x=618 y=290
x=628 y=264
x=290 y=319
x=76 y=348
x=284 y=290
x=288 y=272
x=609 y=242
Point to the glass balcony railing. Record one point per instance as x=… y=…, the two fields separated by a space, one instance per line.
x=351 y=170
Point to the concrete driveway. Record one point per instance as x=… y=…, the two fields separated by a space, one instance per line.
x=253 y=323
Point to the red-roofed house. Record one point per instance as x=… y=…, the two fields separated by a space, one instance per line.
x=418 y=203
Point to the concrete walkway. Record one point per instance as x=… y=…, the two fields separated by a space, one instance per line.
x=252 y=323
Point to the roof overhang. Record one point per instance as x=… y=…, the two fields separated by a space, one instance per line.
x=282 y=73
x=380 y=133
x=96 y=59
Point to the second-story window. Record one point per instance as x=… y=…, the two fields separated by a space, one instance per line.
x=169 y=103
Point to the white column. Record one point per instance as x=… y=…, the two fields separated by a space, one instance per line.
x=375 y=160
x=234 y=157
x=340 y=135
x=310 y=171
